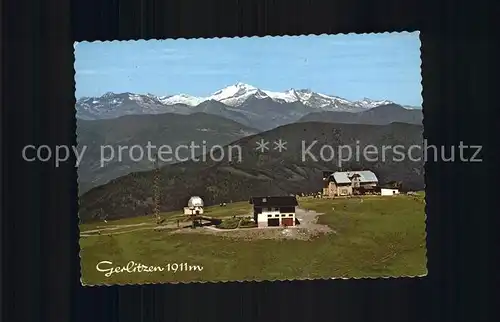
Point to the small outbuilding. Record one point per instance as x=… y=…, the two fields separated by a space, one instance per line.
x=389 y=191
x=274 y=211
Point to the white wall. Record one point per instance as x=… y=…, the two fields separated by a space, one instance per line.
x=188 y=211
x=263 y=217
x=389 y=192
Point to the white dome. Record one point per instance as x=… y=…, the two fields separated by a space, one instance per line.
x=195 y=201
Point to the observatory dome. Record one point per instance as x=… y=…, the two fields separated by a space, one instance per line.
x=195 y=201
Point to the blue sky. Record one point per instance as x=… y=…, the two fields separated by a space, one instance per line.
x=353 y=66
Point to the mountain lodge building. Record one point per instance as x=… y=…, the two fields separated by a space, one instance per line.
x=274 y=211
x=348 y=183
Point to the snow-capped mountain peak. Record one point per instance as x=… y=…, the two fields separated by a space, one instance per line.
x=369 y=103
x=181 y=99
x=108 y=95
x=234 y=95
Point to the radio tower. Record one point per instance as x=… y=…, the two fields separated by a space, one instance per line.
x=156 y=190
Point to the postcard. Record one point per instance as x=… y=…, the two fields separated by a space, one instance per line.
x=250 y=159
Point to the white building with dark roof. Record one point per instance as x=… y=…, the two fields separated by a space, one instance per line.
x=274 y=211
x=345 y=183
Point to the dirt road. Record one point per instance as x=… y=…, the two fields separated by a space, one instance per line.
x=119 y=229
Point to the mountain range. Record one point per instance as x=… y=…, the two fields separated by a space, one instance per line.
x=163 y=129
x=237 y=114
x=235 y=95
x=243 y=103
x=380 y=115
x=173 y=130
x=258 y=173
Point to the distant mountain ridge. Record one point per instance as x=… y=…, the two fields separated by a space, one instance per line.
x=235 y=95
x=112 y=105
x=380 y=115
x=229 y=114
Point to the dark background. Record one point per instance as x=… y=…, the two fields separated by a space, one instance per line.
x=40 y=264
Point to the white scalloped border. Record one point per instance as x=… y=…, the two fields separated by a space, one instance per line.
x=259 y=280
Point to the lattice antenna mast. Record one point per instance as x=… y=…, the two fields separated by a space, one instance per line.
x=156 y=189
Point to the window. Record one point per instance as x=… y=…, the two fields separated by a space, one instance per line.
x=283 y=215
x=276 y=215
x=269 y=216
x=290 y=215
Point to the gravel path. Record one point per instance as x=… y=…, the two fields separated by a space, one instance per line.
x=308 y=228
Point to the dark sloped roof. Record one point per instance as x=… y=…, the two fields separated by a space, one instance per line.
x=388 y=187
x=346 y=176
x=276 y=201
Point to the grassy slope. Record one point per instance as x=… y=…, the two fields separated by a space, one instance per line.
x=234 y=209
x=382 y=236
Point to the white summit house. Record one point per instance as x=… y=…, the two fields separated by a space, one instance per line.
x=274 y=211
